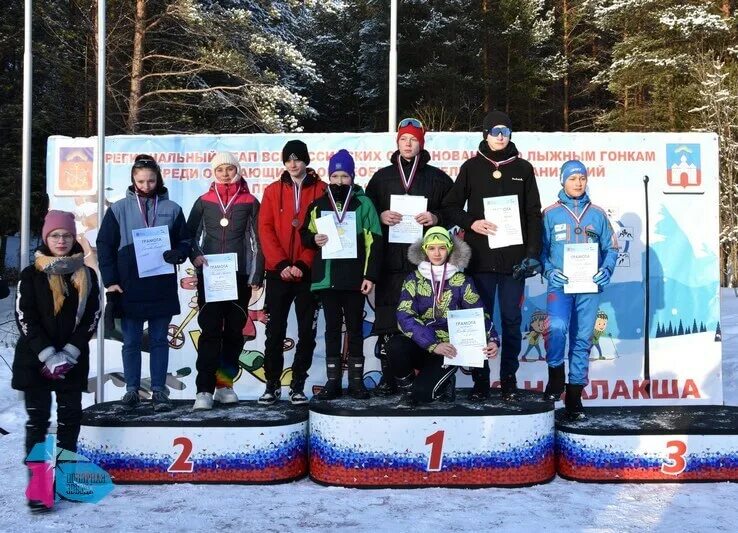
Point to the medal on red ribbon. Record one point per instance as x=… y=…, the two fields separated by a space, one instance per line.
x=340 y=214
x=578 y=229
x=438 y=292
x=407 y=182
x=224 y=208
x=143 y=213
x=497 y=173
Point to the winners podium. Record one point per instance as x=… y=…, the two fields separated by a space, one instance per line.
x=649 y=444
x=376 y=444
x=244 y=443
x=373 y=443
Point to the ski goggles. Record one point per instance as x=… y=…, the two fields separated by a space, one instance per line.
x=414 y=122
x=500 y=130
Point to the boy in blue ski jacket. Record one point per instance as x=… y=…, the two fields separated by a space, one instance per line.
x=573 y=219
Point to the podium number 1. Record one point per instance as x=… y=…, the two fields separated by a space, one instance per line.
x=675 y=462
x=182 y=463
x=435 y=441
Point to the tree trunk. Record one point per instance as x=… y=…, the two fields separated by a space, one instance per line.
x=134 y=98
x=507 y=79
x=565 y=16
x=486 y=71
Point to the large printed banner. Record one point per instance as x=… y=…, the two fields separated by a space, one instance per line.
x=675 y=174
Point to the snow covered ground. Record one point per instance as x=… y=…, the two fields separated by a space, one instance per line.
x=306 y=507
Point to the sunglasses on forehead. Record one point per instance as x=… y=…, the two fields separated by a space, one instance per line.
x=503 y=130
x=414 y=122
x=146 y=163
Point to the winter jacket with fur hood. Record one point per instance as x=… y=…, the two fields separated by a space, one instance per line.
x=423 y=318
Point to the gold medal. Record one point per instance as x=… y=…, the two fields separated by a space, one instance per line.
x=497 y=174
x=224 y=222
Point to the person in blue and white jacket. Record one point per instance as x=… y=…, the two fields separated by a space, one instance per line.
x=152 y=299
x=573 y=219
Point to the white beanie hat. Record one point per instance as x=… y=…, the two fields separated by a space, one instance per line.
x=225 y=158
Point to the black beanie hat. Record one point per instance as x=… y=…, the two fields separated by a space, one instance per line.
x=495 y=118
x=295 y=150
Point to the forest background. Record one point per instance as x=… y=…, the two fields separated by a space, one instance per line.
x=242 y=66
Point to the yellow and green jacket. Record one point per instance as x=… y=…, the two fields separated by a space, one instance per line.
x=422 y=318
x=346 y=274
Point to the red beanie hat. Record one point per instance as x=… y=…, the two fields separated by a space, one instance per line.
x=58 y=220
x=418 y=133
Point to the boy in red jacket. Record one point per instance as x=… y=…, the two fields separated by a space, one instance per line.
x=287 y=264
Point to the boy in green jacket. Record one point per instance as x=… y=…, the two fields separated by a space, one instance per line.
x=343 y=275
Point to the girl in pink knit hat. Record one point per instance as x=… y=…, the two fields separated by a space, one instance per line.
x=57 y=311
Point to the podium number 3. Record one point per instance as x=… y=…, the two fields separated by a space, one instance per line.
x=435 y=441
x=675 y=462
x=182 y=463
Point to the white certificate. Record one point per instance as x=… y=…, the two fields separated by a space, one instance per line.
x=219 y=277
x=346 y=235
x=408 y=230
x=327 y=226
x=468 y=335
x=150 y=245
x=580 y=265
x=504 y=213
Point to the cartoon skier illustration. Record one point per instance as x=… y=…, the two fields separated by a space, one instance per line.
x=599 y=329
x=537 y=329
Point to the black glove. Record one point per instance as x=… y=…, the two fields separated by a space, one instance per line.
x=113 y=309
x=527 y=268
x=175 y=257
x=4 y=290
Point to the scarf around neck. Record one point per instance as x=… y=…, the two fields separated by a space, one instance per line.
x=55 y=269
x=425 y=270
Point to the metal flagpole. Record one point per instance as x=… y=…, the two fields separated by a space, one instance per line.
x=26 y=157
x=99 y=392
x=393 y=68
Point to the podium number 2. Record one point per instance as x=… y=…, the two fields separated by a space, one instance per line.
x=436 y=455
x=182 y=463
x=675 y=462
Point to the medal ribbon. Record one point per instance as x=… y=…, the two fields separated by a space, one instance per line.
x=577 y=218
x=144 y=214
x=297 y=190
x=438 y=293
x=343 y=212
x=496 y=164
x=408 y=182
x=224 y=208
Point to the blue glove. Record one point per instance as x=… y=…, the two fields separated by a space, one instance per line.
x=527 y=268
x=602 y=277
x=556 y=279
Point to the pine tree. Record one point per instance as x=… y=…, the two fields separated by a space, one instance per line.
x=655 y=45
